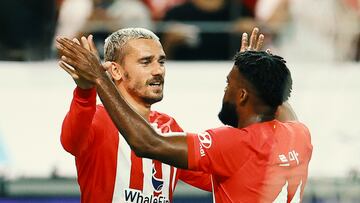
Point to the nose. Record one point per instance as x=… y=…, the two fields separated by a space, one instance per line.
x=158 y=69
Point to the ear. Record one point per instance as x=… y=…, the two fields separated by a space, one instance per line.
x=115 y=70
x=242 y=96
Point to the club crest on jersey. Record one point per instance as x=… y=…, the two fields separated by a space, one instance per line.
x=156 y=182
x=205 y=139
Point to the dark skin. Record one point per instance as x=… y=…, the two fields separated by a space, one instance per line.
x=171 y=150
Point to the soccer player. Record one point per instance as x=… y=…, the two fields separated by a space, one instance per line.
x=108 y=170
x=255 y=158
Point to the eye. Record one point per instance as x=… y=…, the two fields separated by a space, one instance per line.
x=162 y=62
x=145 y=62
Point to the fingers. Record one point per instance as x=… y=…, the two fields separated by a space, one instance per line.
x=256 y=41
x=71 y=49
x=244 y=42
x=69 y=69
x=69 y=61
x=260 y=42
x=253 y=38
x=90 y=40
x=70 y=45
x=66 y=46
x=93 y=46
x=85 y=43
x=63 y=50
x=76 y=41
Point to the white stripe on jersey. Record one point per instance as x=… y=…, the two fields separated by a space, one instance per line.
x=212 y=189
x=123 y=169
x=147 y=170
x=166 y=168
x=166 y=173
x=122 y=179
x=174 y=179
x=166 y=178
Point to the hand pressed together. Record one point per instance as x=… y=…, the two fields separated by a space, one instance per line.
x=80 y=61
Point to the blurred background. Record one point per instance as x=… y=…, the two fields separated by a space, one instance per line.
x=319 y=39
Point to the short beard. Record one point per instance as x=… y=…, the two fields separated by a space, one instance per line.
x=149 y=100
x=228 y=115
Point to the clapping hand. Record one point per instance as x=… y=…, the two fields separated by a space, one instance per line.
x=80 y=60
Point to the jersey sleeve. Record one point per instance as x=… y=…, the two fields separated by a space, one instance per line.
x=197 y=179
x=77 y=130
x=219 y=151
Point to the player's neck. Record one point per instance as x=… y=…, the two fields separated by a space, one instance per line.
x=254 y=115
x=139 y=106
x=142 y=109
x=255 y=119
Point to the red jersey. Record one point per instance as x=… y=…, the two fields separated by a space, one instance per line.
x=107 y=169
x=264 y=162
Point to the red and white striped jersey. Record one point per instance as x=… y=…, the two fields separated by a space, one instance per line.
x=108 y=170
x=264 y=162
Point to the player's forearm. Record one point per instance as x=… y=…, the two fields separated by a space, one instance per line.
x=141 y=137
x=76 y=126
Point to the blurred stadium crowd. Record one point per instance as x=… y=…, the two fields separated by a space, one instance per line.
x=189 y=29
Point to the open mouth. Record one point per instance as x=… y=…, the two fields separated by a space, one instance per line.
x=154 y=84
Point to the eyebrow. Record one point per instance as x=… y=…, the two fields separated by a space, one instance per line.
x=162 y=57
x=149 y=58
x=146 y=58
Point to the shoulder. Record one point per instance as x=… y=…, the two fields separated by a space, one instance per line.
x=297 y=133
x=164 y=121
x=100 y=109
x=159 y=116
x=102 y=117
x=297 y=126
x=227 y=130
x=228 y=134
x=302 y=129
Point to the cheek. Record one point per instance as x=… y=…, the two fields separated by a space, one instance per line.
x=226 y=96
x=227 y=91
x=164 y=70
x=135 y=77
x=137 y=83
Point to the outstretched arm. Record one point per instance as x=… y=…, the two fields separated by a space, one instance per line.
x=77 y=129
x=171 y=150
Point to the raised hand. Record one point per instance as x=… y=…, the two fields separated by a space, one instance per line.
x=256 y=42
x=88 y=44
x=80 y=62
